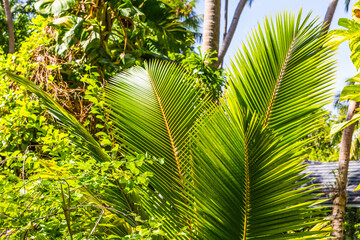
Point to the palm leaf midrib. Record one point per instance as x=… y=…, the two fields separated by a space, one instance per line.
x=168 y=130
x=247 y=187
x=280 y=77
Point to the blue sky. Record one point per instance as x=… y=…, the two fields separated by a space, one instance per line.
x=261 y=8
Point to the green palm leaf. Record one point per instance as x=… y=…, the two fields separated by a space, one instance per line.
x=154 y=110
x=162 y=133
x=80 y=136
x=247 y=185
x=283 y=73
x=247 y=164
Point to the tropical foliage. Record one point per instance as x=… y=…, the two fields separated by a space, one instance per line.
x=213 y=166
x=117 y=34
x=350 y=33
x=325 y=146
x=22 y=12
x=210 y=79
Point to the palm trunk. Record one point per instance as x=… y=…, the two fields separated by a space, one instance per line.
x=340 y=198
x=211 y=31
x=330 y=14
x=10 y=26
x=340 y=194
x=230 y=33
x=225 y=17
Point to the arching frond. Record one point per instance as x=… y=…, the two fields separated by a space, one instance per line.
x=283 y=74
x=80 y=136
x=154 y=109
x=246 y=185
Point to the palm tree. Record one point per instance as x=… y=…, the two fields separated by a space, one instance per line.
x=232 y=170
x=331 y=11
x=10 y=26
x=211 y=28
x=340 y=198
x=342 y=177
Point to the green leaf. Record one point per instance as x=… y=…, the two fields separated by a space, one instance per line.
x=354 y=79
x=350 y=92
x=132 y=167
x=106 y=142
x=244 y=177
x=141 y=179
x=53 y=7
x=340 y=126
x=345 y=22
x=154 y=110
x=351 y=33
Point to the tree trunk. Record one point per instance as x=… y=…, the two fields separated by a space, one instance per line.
x=340 y=197
x=10 y=26
x=230 y=33
x=330 y=14
x=225 y=17
x=211 y=31
x=340 y=194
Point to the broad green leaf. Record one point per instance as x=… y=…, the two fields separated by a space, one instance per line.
x=355 y=12
x=54 y=7
x=350 y=92
x=73 y=29
x=354 y=79
x=336 y=37
x=345 y=22
x=340 y=126
x=351 y=33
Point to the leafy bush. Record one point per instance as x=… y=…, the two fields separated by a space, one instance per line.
x=47 y=183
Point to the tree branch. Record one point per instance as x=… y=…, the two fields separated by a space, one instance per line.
x=97 y=222
x=230 y=33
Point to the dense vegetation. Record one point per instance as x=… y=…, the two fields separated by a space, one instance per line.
x=113 y=127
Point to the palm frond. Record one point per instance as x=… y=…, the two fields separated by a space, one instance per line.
x=341 y=126
x=154 y=110
x=246 y=155
x=80 y=136
x=283 y=73
x=247 y=185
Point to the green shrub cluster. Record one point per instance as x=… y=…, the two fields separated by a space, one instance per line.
x=47 y=184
